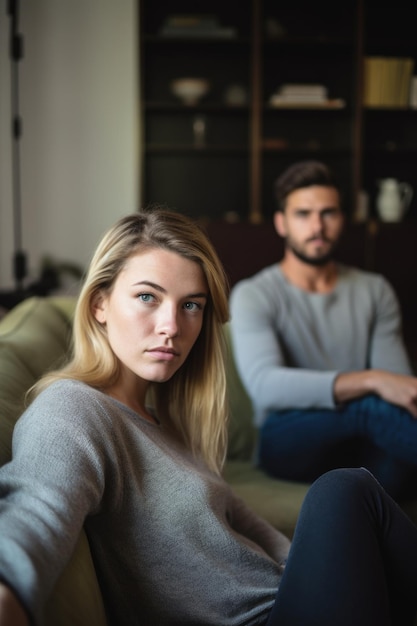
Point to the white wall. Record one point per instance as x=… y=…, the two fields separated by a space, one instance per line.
x=6 y=228
x=79 y=105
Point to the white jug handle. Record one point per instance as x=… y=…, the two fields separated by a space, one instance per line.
x=407 y=193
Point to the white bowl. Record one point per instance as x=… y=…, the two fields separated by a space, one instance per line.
x=190 y=90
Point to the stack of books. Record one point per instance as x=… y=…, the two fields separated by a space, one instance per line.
x=413 y=93
x=196 y=26
x=387 y=81
x=302 y=95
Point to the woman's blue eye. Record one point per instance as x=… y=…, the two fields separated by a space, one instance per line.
x=145 y=297
x=192 y=306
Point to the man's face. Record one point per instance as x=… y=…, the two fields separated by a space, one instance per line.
x=311 y=223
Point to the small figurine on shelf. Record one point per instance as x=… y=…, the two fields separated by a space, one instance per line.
x=199 y=131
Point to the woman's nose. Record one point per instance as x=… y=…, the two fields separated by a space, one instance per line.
x=168 y=321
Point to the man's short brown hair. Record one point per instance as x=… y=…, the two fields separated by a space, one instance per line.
x=300 y=175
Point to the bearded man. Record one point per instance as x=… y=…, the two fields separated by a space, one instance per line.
x=319 y=348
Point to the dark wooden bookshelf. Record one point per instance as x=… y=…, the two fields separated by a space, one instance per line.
x=265 y=44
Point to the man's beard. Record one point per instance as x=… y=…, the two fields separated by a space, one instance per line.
x=317 y=261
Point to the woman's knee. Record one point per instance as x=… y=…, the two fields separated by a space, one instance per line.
x=342 y=484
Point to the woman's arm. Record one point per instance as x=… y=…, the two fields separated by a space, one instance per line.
x=53 y=482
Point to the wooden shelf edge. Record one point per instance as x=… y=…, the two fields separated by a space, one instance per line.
x=204 y=150
x=168 y=107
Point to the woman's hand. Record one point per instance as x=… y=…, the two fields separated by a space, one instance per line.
x=12 y=612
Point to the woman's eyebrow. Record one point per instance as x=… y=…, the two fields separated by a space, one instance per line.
x=149 y=283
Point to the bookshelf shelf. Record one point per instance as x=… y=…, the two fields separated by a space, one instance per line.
x=195 y=150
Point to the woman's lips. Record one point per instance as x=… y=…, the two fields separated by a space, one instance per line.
x=163 y=353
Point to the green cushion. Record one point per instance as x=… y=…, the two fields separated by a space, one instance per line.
x=242 y=434
x=34 y=337
x=65 y=305
x=77 y=599
x=278 y=501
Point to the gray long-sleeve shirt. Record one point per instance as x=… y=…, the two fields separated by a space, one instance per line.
x=290 y=344
x=171 y=543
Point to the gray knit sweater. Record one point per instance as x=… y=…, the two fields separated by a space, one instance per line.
x=171 y=543
x=290 y=344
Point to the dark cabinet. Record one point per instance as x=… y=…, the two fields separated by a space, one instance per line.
x=286 y=82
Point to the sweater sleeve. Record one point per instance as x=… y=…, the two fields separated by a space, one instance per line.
x=387 y=349
x=261 y=361
x=52 y=483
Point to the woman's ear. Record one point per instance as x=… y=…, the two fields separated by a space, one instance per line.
x=98 y=307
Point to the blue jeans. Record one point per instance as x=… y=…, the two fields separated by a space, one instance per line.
x=301 y=445
x=353 y=559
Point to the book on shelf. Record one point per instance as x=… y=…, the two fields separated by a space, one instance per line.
x=387 y=81
x=303 y=96
x=303 y=90
x=413 y=93
x=196 y=26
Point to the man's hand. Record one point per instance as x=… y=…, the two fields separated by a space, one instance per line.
x=11 y=611
x=397 y=389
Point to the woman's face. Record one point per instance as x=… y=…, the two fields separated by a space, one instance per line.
x=153 y=315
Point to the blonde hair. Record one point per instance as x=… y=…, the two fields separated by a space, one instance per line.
x=194 y=399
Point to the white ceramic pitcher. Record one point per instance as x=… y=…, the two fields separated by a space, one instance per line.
x=393 y=199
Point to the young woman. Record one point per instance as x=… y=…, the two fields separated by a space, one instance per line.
x=128 y=440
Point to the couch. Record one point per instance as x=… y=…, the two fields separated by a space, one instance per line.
x=34 y=337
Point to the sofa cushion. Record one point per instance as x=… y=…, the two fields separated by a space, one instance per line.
x=241 y=430
x=278 y=501
x=77 y=599
x=34 y=337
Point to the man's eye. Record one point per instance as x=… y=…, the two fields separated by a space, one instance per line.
x=330 y=213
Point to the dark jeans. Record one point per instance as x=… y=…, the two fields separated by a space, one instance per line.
x=303 y=444
x=353 y=560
